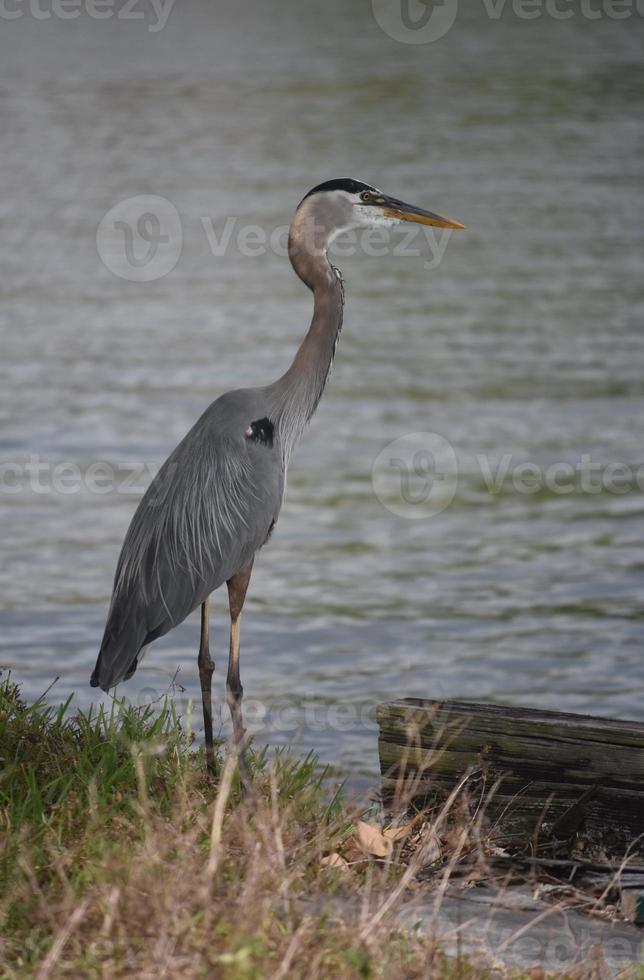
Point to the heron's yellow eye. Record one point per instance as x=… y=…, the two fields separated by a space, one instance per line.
x=365 y=196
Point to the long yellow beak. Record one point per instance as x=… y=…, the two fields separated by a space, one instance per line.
x=404 y=212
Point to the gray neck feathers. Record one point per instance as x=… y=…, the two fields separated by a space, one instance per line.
x=295 y=396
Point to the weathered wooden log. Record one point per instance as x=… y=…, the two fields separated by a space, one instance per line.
x=536 y=771
x=633 y=905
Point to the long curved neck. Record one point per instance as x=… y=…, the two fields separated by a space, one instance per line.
x=295 y=396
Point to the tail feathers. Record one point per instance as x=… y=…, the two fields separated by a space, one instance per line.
x=116 y=662
x=132 y=623
x=101 y=677
x=120 y=650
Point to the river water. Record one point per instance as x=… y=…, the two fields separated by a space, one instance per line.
x=514 y=350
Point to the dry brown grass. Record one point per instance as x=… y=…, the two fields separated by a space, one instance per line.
x=120 y=857
x=187 y=896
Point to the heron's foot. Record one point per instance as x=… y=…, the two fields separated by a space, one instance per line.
x=239 y=743
x=239 y=748
x=244 y=777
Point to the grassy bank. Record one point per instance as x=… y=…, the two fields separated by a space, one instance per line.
x=120 y=857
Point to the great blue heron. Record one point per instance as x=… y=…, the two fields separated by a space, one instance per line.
x=217 y=497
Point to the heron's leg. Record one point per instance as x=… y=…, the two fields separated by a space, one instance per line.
x=206 y=668
x=237 y=586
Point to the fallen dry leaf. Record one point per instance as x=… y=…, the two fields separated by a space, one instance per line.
x=396 y=833
x=371 y=839
x=335 y=860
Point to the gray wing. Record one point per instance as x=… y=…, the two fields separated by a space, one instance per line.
x=204 y=516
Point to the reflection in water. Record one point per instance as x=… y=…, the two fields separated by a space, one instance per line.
x=518 y=342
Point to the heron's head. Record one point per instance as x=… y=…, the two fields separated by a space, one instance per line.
x=344 y=204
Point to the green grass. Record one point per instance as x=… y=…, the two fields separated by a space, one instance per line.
x=120 y=856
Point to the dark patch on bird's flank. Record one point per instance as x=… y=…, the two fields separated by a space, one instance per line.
x=261 y=431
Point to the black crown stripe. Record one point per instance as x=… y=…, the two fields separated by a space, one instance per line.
x=347 y=184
